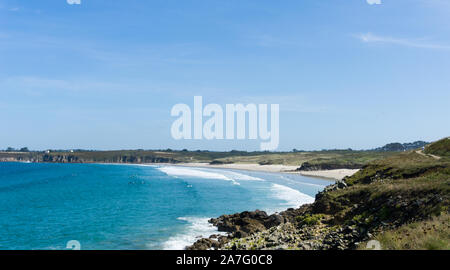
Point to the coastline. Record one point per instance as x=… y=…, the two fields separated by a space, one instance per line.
x=192 y=235
x=337 y=174
x=193 y=230
x=222 y=234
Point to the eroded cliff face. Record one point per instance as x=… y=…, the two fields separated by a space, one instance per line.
x=71 y=158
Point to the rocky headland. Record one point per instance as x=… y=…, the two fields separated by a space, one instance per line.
x=405 y=196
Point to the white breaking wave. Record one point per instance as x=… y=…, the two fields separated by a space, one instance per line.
x=306 y=184
x=189 y=172
x=208 y=174
x=196 y=228
x=293 y=198
x=241 y=176
x=200 y=227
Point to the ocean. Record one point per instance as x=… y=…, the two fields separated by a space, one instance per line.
x=108 y=206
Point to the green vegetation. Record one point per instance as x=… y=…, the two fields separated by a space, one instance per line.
x=404 y=199
x=11 y=149
x=342 y=158
x=401 y=166
x=432 y=234
x=439 y=148
x=120 y=156
x=309 y=219
x=401 y=199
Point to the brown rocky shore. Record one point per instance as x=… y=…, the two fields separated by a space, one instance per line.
x=284 y=230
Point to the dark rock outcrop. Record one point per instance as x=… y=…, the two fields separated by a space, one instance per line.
x=306 y=166
x=241 y=225
x=245 y=223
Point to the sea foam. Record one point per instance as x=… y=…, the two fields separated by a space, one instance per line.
x=234 y=177
x=196 y=227
x=293 y=198
x=190 y=172
x=241 y=176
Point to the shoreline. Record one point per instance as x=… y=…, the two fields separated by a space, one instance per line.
x=268 y=169
x=328 y=175
x=337 y=174
x=217 y=233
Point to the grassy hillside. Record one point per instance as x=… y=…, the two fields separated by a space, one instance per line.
x=396 y=198
x=429 y=234
x=408 y=165
x=439 y=148
x=342 y=158
x=402 y=201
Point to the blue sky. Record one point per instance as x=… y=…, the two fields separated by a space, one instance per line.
x=105 y=74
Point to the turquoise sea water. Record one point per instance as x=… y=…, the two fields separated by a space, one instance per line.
x=106 y=206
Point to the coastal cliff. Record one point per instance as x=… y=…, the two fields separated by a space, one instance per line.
x=135 y=157
x=401 y=201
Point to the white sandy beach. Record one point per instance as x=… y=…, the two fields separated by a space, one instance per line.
x=330 y=174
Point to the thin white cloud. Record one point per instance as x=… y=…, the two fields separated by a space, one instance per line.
x=374 y=2
x=371 y=38
x=14 y=9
